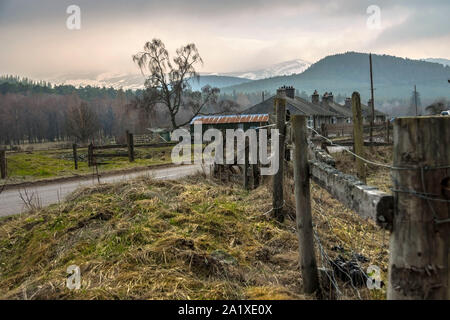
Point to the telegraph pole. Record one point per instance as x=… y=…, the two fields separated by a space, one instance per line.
x=415 y=98
x=372 y=119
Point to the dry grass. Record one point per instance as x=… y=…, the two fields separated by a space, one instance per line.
x=190 y=239
x=376 y=176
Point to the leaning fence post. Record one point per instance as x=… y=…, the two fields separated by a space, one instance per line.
x=75 y=156
x=3 y=164
x=418 y=259
x=280 y=109
x=308 y=264
x=358 y=137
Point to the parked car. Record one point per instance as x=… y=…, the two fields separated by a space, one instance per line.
x=445 y=113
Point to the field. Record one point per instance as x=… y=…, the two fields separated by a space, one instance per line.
x=48 y=164
x=187 y=239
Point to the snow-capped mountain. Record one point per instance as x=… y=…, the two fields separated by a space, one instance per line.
x=286 y=68
x=108 y=79
x=136 y=81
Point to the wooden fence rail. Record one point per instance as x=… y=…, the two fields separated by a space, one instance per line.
x=130 y=146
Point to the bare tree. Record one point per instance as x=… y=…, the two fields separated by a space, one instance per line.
x=168 y=81
x=437 y=107
x=81 y=122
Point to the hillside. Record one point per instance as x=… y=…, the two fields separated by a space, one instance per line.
x=188 y=239
x=344 y=73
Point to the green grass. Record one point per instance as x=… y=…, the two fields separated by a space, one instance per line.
x=32 y=166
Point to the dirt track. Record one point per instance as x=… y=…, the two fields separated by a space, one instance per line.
x=49 y=193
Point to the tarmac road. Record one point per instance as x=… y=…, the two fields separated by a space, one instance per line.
x=11 y=202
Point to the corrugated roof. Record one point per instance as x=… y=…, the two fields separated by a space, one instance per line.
x=236 y=118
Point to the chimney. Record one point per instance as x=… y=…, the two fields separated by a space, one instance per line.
x=330 y=97
x=369 y=103
x=315 y=97
x=290 y=92
x=281 y=92
x=348 y=103
x=325 y=98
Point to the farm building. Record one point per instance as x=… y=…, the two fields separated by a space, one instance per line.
x=223 y=122
x=296 y=105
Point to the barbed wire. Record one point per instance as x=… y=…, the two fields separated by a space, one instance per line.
x=377 y=163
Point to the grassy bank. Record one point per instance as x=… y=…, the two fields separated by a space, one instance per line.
x=191 y=239
x=376 y=176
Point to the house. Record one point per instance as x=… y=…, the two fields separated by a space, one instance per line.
x=296 y=106
x=345 y=113
x=380 y=117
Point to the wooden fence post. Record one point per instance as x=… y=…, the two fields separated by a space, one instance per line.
x=91 y=154
x=278 y=201
x=256 y=176
x=130 y=144
x=3 y=167
x=418 y=259
x=75 y=156
x=388 y=129
x=308 y=264
x=246 y=177
x=358 y=136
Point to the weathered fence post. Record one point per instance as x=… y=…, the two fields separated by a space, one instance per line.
x=246 y=177
x=358 y=137
x=388 y=129
x=308 y=264
x=3 y=167
x=419 y=245
x=280 y=109
x=256 y=176
x=75 y=156
x=91 y=154
x=323 y=129
x=130 y=145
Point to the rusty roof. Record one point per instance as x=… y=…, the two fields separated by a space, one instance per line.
x=236 y=118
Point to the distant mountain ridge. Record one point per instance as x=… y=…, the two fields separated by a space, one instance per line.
x=286 y=68
x=219 y=80
x=344 y=73
x=445 y=62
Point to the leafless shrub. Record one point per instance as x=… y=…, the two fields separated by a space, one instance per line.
x=31 y=200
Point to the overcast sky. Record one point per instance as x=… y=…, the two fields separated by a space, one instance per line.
x=232 y=35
